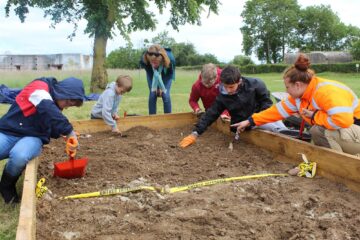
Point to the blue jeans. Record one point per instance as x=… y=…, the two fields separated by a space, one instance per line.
x=19 y=150
x=165 y=97
x=273 y=126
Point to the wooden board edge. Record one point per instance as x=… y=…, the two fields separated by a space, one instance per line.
x=26 y=229
x=152 y=121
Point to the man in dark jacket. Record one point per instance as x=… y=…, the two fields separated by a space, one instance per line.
x=34 y=118
x=241 y=96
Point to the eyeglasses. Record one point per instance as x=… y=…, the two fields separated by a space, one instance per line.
x=153 y=54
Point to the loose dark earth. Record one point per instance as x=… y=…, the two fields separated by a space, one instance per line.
x=266 y=208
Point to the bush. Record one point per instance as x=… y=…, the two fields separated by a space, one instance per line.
x=279 y=68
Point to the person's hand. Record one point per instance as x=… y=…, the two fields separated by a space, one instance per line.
x=198 y=112
x=159 y=92
x=307 y=113
x=116 y=131
x=187 y=141
x=225 y=118
x=71 y=146
x=241 y=126
x=115 y=117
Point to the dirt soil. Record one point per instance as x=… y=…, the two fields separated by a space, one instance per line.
x=266 y=208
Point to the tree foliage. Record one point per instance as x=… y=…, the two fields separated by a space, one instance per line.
x=320 y=29
x=268 y=28
x=355 y=50
x=106 y=17
x=124 y=57
x=241 y=60
x=273 y=27
x=184 y=53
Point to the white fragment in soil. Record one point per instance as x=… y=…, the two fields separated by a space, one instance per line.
x=71 y=235
x=149 y=136
x=231 y=147
x=330 y=215
x=310 y=213
x=295 y=205
x=85 y=136
x=137 y=182
x=50 y=166
x=48 y=196
x=159 y=195
x=124 y=199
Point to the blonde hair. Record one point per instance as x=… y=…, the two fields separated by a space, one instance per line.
x=124 y=81
x=300 y=71
x=157 y=48
x=208 y=72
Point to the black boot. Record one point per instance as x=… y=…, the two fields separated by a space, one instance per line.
x=8 y=189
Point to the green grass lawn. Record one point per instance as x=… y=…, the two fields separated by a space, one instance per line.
x=134 y=102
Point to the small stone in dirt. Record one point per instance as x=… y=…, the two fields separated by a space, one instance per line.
x=71 y=235
x=149 y=136
x=294 y=171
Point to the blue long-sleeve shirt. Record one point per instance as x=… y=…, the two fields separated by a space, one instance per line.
x=35 y=113
x=107 y=105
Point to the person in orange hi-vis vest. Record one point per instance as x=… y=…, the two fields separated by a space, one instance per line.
x=329 y=106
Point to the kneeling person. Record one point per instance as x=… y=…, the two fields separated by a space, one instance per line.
x=34 y=118
x=241 y=97
x=106 y=107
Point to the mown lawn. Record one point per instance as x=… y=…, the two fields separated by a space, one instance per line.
x=134 y=102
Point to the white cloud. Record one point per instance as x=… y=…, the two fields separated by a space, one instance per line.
x=219 y=34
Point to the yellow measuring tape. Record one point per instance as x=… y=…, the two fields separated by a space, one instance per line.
x=307 y=168
x=163 y=190
x=40 y=188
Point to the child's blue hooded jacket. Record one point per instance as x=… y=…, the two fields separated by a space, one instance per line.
x=35 y=113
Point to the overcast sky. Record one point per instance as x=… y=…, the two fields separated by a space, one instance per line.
x=218 y=34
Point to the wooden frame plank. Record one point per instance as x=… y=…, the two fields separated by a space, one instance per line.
x=338 y=167
x=27 y=218
x=152 y=121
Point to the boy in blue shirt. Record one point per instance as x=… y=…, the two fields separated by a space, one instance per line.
x=107 y=105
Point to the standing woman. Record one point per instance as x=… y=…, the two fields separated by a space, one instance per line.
x=329 y=106
x=159 y=64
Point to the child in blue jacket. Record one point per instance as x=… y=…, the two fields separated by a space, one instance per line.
x=34 y=118
x=108 y=103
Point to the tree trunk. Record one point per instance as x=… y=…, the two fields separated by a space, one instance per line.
x=268 y=51
x=99 y=76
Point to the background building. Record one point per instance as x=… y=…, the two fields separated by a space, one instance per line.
x=66 y=61
x=321 y=57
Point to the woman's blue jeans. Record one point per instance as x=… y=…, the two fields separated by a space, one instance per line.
x=165 y=97
x=19 y=150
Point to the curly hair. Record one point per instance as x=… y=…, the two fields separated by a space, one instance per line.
x=300 y=71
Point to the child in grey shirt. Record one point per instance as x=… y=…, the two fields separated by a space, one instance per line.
x=107 y=105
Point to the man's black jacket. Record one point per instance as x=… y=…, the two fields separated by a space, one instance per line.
x=252 y=96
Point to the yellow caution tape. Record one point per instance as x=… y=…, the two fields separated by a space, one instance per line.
x=163 y=190
x=40 y=188
x=307 y=168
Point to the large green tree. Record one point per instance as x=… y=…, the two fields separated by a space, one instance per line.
x=106 y=17
x=268 y=28
x=320 y=29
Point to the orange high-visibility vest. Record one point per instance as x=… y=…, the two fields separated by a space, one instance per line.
x=336 y=105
